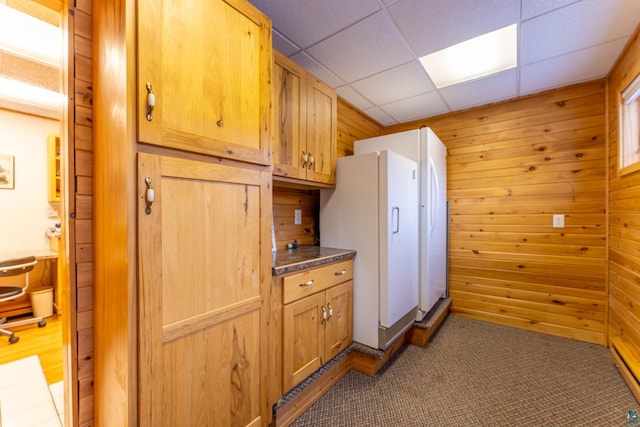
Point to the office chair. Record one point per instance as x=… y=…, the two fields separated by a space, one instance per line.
x=16 y=267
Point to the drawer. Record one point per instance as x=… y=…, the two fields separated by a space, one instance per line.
x=317 y=279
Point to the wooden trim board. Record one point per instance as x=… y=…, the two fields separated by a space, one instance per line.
x=291 y=410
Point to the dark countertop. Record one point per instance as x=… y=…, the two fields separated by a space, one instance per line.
x=290 y=260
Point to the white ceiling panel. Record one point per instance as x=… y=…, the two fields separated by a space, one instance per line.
x=306 y=22
x=577 y=26
x=403 y=81
x=354 y=98
x=429 y=104
x=366 y=48
x=317 y=70
x=481 y=91
x=432 y=25
x=533 y=8
x=282 y=44
x=583 y=65
x=380 y=116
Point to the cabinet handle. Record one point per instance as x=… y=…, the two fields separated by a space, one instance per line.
x=341 y=273
x=149 y=196
x=324 y=314
x=330 y=311
x=311 y=161
x=306 y=284
x=151 y=102
x=304 y=159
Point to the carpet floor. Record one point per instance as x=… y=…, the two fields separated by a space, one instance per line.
x=474 y=373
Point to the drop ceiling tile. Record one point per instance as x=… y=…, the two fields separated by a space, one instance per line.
x=398 y=83
x=532 y=8
x=426 y=105
x=481 y=91
x=429 y=26
x=348 y=93
x=380 y=116
x=317 y=70
x=309 y=21
x=562 y=31
x=587 y=64
x=282 y=44
x=366 y=48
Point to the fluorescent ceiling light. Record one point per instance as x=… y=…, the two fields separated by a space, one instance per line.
x=478 y=57
x=26 y=36
x=15 y=91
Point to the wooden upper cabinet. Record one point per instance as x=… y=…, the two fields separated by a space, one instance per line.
x=322 y=132
x=289 y=101
x=304 y=134
x=206 y=67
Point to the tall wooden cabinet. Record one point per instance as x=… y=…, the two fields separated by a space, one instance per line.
x=200 y=292
x=304 y=124
x=182 y=258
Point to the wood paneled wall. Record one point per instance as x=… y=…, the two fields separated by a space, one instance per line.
x=285 y=201
x=352 y=125
x=624 y=225
x=81 y=205
x=511 y=167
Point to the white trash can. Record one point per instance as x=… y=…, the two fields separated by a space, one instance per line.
x=42 y=301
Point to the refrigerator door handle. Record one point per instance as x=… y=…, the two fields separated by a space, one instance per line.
x=395 y=212
x=435 y=196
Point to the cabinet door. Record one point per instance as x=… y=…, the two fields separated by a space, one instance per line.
x=289 y=104
x=208 y=64
x=338 y=329
x=321 y=131
x=303 y=339
x=200 y=292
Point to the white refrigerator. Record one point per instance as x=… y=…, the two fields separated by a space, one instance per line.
x=373 y=209
x=424 y=147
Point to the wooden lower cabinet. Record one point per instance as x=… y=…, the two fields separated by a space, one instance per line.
x=202 y=269
x=316 y=320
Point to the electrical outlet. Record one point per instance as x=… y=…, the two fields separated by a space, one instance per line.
x=558 y=221
x=297 y=216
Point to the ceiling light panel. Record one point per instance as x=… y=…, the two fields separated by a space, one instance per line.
x=478 y=57
x=29 y=37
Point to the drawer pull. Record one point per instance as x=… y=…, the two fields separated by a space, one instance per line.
x=324 y=314
x=341 y=273
x=306 y=284
x=330 y=311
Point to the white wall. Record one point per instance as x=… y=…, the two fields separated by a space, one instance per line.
x=25 y=210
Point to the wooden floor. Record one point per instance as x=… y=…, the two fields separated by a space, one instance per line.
x=45 y=342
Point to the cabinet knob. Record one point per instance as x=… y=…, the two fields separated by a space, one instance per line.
x=324 y=314
x=311 y=161
x=306 y=284
x=341 y=273
x=305 y=158
x=330 y=311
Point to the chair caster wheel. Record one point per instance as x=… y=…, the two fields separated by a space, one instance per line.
x=42 y=324
x=13 y=339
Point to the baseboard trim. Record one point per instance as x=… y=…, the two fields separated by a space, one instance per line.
x=291 y=410
x=627 y=364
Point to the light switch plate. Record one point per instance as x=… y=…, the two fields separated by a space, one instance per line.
x=558 y=221
x=297 y=216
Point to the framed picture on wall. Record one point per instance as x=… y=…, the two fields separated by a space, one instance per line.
x=7 y=172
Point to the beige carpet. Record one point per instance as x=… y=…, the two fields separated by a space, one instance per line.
x=475 y=373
